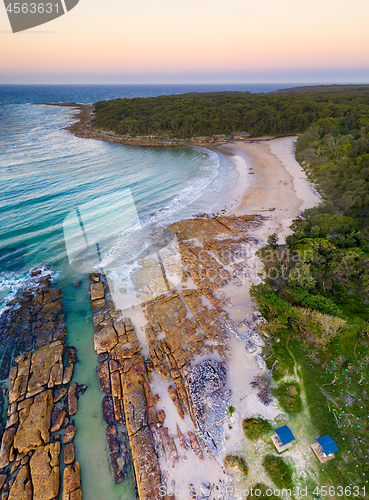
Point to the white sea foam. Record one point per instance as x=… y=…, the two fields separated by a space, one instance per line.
x=14 y=283
x=176 y=210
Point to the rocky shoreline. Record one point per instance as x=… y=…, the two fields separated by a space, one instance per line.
x=183 y=360
x=165 y=397
x=82 y=128
x=37 y=442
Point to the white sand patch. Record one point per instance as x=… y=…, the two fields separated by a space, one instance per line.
x=206 y=477
x=244 y=181
x=160 y=386
x=284 y=149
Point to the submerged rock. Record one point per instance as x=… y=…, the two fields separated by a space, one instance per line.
x=69 y=454
x=108 y=410
x=115 y=454
x=70 y=432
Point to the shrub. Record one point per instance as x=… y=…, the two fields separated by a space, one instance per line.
x=273 y=240
x=231 y=409
x=254 y=428
x=289 y=397
x=236 y=461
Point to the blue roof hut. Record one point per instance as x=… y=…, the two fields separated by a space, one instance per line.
x=324 y=448
x=282 y=438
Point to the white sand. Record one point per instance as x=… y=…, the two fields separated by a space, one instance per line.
x=272 y=179
x=284 y=150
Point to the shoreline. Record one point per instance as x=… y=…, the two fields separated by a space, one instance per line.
x=266 y=168
x=271 y=183
x=82 y=128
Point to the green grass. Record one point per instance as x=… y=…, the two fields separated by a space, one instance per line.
x=255 y=428
x=263 y=489
x=315 y=377
x=278 y=471
x=289 y=398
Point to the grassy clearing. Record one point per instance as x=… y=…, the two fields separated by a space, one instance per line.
x=278 y=471
x=334 y=401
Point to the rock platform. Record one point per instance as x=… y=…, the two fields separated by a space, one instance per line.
x=41 y=398
x=187 y=330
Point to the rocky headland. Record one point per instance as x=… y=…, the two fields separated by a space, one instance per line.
x=83 y=128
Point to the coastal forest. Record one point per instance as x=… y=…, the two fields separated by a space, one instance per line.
x=276 y=113
x=315 y=294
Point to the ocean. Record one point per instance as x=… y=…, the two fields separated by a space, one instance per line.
x=47 y=174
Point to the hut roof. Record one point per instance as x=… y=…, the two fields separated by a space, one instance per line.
x=328 y=445
x=285 y=434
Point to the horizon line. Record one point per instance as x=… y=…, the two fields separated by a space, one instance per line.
x=309 y=84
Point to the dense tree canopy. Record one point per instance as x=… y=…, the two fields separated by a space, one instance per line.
x=315 y=293
x=205 y=114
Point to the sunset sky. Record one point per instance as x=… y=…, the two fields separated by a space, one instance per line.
x=199 y=41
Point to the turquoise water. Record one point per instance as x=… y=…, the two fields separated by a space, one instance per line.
x=45 y=174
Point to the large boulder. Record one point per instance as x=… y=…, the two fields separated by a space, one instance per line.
x=6 y=447
x=69 y=454
x=35 y=422
x=70 y=432
x=22 y=487
x=71 y=482
x=97 y=291
x=72 y=399
x=105 y=339
x=45 y=472
x=43 y=361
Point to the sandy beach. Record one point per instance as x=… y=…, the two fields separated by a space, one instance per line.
x=271 y=183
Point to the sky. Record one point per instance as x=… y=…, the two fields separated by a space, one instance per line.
x=192 y=41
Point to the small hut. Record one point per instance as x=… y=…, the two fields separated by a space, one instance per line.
x=324 y=448
x=282 y=438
